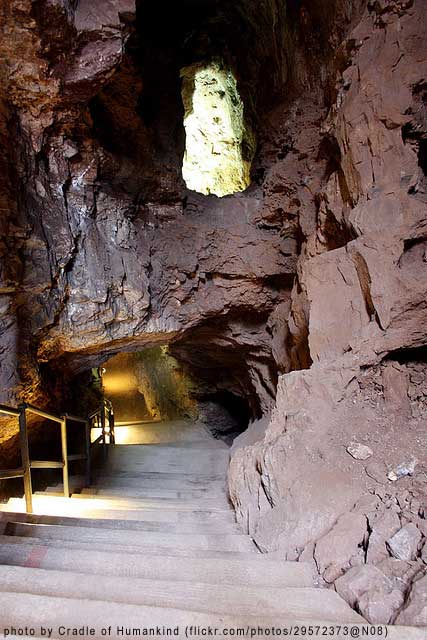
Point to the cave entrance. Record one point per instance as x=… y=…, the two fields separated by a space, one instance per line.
x=150 y=386
x=219 y=144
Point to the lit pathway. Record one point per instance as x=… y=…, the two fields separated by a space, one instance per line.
x=152 y=543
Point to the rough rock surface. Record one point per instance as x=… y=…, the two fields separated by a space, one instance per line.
x=304 y=296
x=415 y=613
x=406 y=543
x=360 y=302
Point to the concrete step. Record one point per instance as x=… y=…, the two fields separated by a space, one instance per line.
x=76 y=510
x=155 y=479
x=193 y=443
x=117 y=502
x=185 y=527
x=159 y=481
x=157 y=516
x=166 y=433
x=137 y=485
x=222 y=599
x=99 y=508
x=224 y=571
x=148 y=492
x=163 y=459
x=208 y=542
x=134 y=549
x=187 y=449
x=127 y=502
x=57 y=613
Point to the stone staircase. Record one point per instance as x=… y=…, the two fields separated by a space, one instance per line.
x=153 y=543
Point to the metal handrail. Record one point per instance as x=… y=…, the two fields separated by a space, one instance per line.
x=51 y=464
x=27 y=464
x=9 y=411
x=103 y=418
x=39 y=412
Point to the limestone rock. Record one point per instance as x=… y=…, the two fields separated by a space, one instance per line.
x=358 y=580
x=359 y=451
x=405 y=543
x=415 y=611
x=373 y=593
x=377 y=471
x=339 y=548
x=379 y=606
x=383 y=526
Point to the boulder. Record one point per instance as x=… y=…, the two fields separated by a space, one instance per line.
x=341 y=547
x=359 y=451
x=358 y=580
x=384 y=525
x=379 y=606
x=415 y=611
x=404 y=544
x=371 y=592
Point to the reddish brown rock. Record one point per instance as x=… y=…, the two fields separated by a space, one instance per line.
x=415 y=611
x=405 y=544
x=303 y=297
x=342 y=547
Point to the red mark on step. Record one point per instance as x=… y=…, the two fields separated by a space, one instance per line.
x=36 y=557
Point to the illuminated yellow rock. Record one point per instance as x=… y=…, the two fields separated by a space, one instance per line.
x=219 y=144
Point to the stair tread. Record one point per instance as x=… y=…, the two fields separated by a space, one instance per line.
x=289 y=601
x=150 y=492
x=141 y=497
x=133 y=549
x=232 y=571
x=76 y=612
x=167 y=526
x=114 y=523
x=153 y=541
x=216 y=541
x=135 y=501
x=53 y=505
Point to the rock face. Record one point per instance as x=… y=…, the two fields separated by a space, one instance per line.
x=361 y=291
x=303 y=297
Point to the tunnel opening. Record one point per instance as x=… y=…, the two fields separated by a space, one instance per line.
x=147 y=386
x=151 y=386
x=227 y=413
x=219 y=145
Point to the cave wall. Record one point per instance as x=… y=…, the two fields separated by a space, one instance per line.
x=341 y=467
x=111 y=253
x=304 y=295
x=166 y=388
x=107 y=251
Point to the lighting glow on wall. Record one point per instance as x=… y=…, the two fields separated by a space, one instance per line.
x=219 y=145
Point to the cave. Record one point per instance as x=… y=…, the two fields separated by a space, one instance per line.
x=213 y=312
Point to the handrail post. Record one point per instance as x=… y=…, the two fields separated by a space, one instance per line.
x=104 y=439
x=111 y=423
x=88 y=454
x=64 y=456
x=25 y=455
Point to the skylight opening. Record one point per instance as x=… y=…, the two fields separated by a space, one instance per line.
x=219 y=145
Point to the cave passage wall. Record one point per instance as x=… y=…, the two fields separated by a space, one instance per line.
x=304 y=297
x=106 y=249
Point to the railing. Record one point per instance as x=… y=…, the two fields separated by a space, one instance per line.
x=102 y=418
